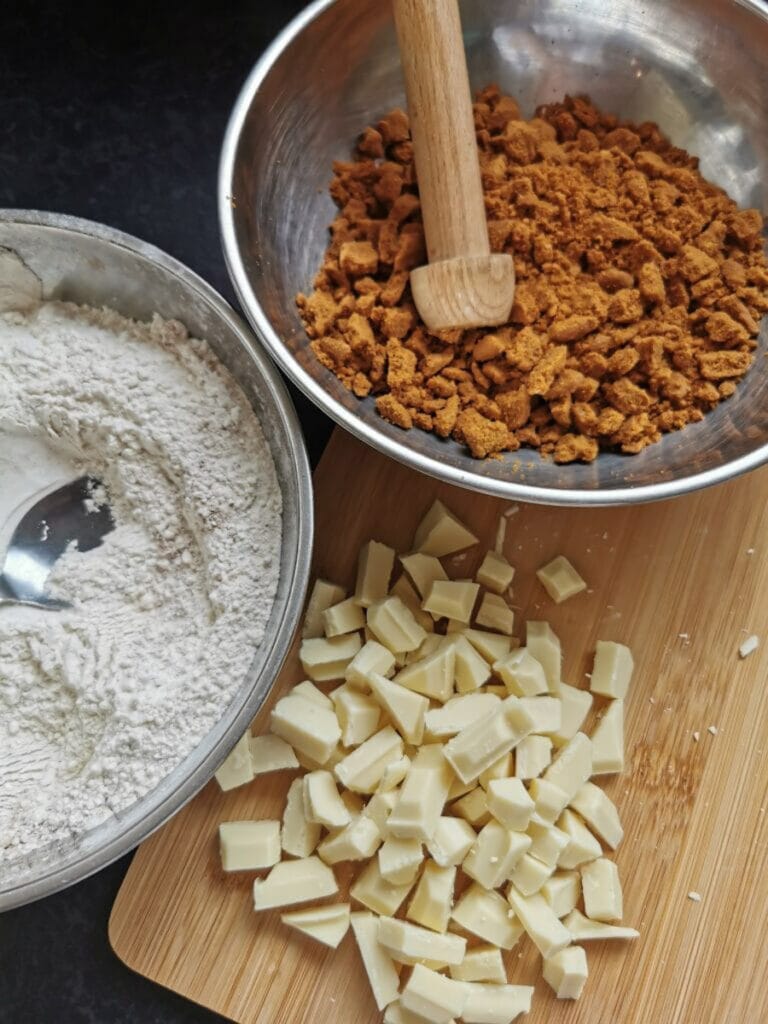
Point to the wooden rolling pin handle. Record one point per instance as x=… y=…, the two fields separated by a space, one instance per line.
x=464 y=285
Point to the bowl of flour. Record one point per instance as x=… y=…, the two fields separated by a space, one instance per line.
x=118 y=362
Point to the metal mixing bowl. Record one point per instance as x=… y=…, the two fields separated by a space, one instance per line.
x=697 y=67
x=85 y=262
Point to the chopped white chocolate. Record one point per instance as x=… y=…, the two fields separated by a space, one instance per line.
x=491 y=646
x=543 y=644
x=546 y=712
x=435 y=998
x=394 y=774
x=322 y=803
x=602 y=890
x=361 y=770
x=486 y=914
x=376 y=893
x=501 y=536
x=271 y=754
x=495 y=573
x=422 y=795
x=483 y=742
x=310 y=728
x=482 y=963
x=298 y=837
x=431 y=645
x=583 y=930
x=550 y=800
x=325 y=659
x=324 y=594
x=501 y=769
x=521 y=673
x=249 y=845
x=509 y=802
x=423 y=571
x=532 y=755
x=459 y=788
x=311 y=692
x=374 y=568
x=530 y=875
x=566 y=972
x=405 y=590
x=496 y=1004
x=345 y=617
x=451 y=841
x=433 y=676
x=393 y=625
x=548 y=842
x=372 y=657
x=379 y=807
x=548 y=933
x=411 y=944
x=459 y=712
x=608 y=741
x=599 y=812
x=405 y=707
x=237 y=768
x=494 y=854
x=494 y=613
x=358 y=841
x=749 y=646
x=294 y=881
x=612 y=671
x=473 y=807
x=379 y=967
x=441 y=533
x=582 y=846
x=452 y=599
x=471 y=670
x=562 y=891
x=400 y=860
x=560 y=579
x=432 y=901
x=328 y=924
x=574 y=708
x=572 y=766
x=358 y=715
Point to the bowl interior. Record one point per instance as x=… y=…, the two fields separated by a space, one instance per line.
x=83 y=262
x=697 y=67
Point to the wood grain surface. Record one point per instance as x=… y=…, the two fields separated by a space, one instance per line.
x=683 y=583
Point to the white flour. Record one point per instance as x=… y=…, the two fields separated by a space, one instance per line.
x=99 y=703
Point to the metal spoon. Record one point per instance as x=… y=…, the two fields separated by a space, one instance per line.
x=68 y=515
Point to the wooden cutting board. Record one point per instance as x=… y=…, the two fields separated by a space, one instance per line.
x=682 y=582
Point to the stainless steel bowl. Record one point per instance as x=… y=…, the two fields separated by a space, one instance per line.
x=85 y=262
x=697 y=67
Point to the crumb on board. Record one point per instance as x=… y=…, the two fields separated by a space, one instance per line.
x=695 y=897
x=748 y=646
x=712 y=730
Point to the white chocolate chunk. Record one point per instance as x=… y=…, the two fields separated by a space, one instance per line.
x=400 y=860
x=548 y=842
x=482 y=963
x=423 y=570
x=358 y=841
x=411 y=944
x=459 y=712
x=530 y=875
x=560 y=579
x=324 y=594
x=322 y=803
x=294 y=881
x=441 y=533
x=237 y=768
x=345 y=617
x=459 y=788
x=602 y=890
x=327 y=925
x=249 y=845
x=394 y=626
x=749 y=646
x=521 y=673
x=599 y=812
x=574 y=708
x=494 y=854
x=358 y=715
x=608 y=741
x=509 y=802
x=376 y=892
x=310 y=728
x=473 y=807
x=325 y=659
x=452 y=599
x=486 y=914
x=381 y=972
x=491 y=646
x=495 y=573
x=451 y=841
x=546 y=713
x=432 y=901
x=566 y=972
x=548 y=933
x=582 y=846
x=361 y=770
x=405 y=590
x=532 y=756
x=405 y=707
x=494 y=613
x=550 y=800
x=612 y=671
x=374 y=568
x=501 y=769
x=311 y=692
x=431 y=645
x=562 y=891
x=432 y=996
x=496 y=1004
x=271 y=754
x=433 y=676
x=394 y=774
x=299 y=837
x=543 y=644
x=572 y=765
x=379 y=808
x=395 y=1014
x=483 y=742
x=372 y=657
x=422 y=796
x=583 y=930
x=471 y=670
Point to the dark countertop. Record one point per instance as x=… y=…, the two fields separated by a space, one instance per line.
x=116 y=113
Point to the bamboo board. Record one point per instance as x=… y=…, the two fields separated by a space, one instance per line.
x=682 y=582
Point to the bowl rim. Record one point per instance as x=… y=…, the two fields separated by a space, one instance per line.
x=148 y=814
x=370 y=435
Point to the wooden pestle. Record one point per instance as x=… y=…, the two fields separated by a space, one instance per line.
x=464 y=284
